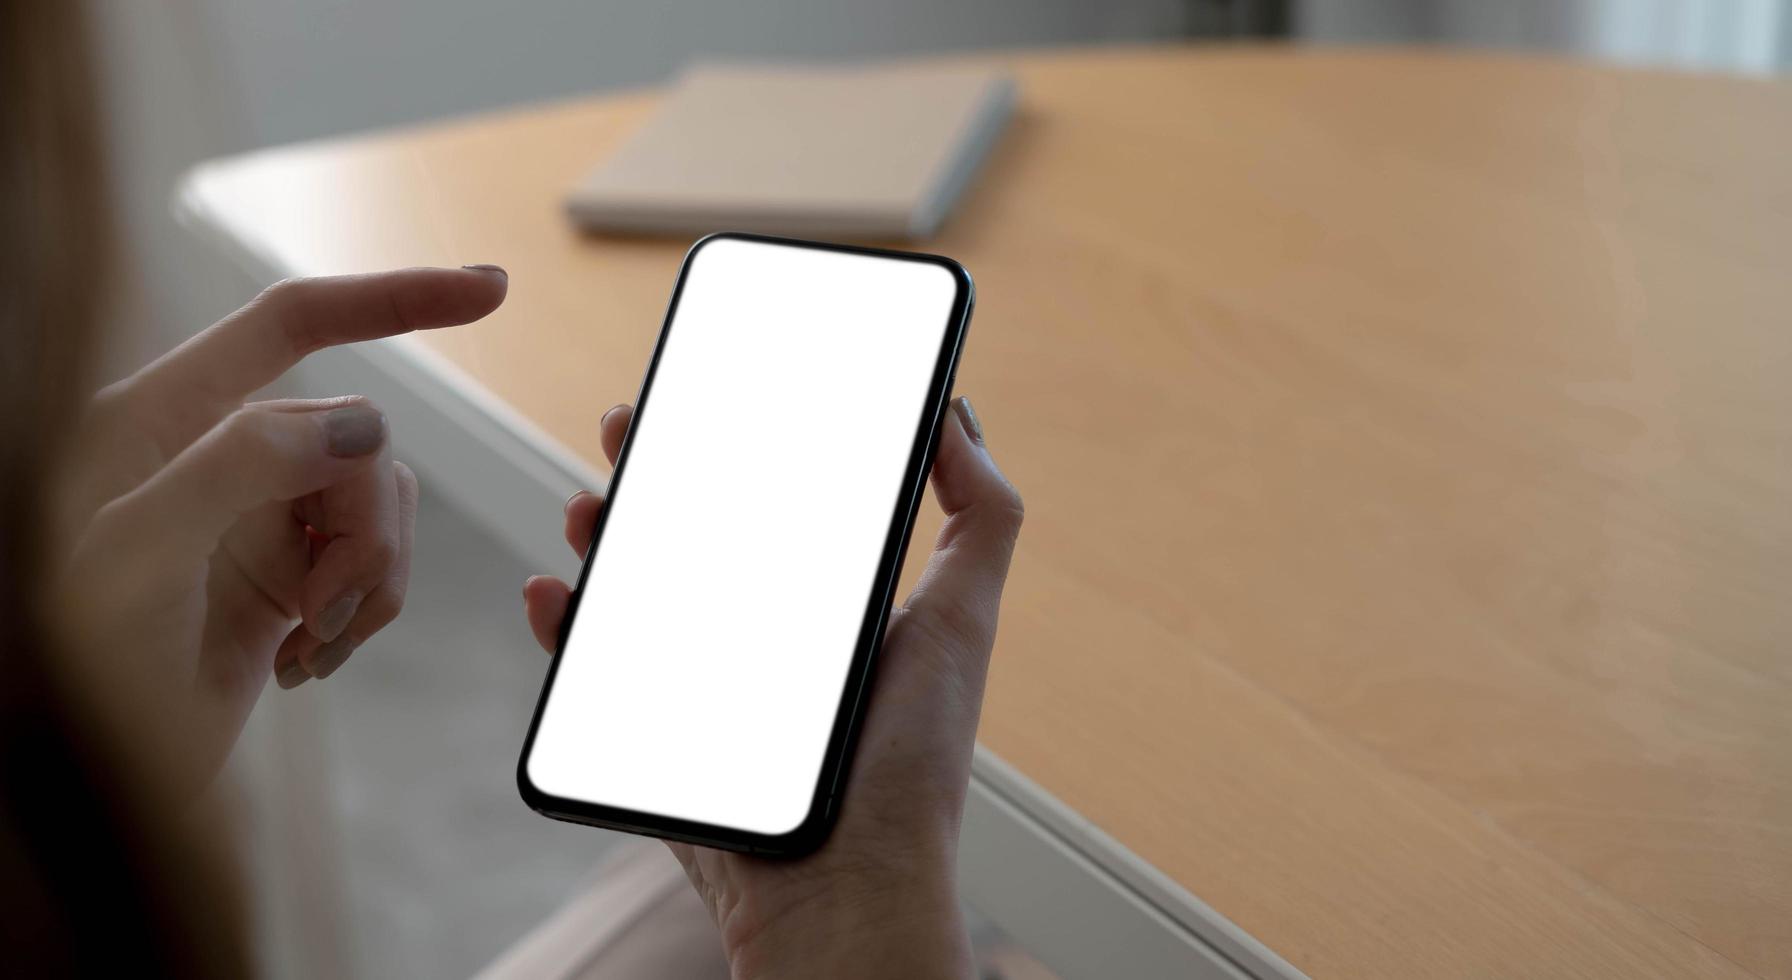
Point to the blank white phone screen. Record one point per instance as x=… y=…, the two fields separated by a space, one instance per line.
x=709 y=655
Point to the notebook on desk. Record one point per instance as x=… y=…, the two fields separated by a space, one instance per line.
x=834 y=152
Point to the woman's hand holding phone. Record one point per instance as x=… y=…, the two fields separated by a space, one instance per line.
x=879 y=898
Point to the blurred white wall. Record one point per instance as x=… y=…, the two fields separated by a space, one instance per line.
x=323 y=66
x=1750 y=36
x=189 y=79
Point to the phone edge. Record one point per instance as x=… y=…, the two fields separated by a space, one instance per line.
x=836 y=766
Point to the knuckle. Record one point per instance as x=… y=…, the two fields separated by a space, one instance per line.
x=116 y=397
x=1011 y=506
x=284 y=291
x=956 y=620
x=961 y=618
x=958 y=661
x=245 y=429
x=1003 y=511
x=277 y=295
x=125 y=405
x=282 y=301
x=246 y=438
x=382 y=552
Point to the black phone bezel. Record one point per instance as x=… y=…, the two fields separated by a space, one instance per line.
x=836 y=762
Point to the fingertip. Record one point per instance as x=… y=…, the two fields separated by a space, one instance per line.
x=328 y=658
x=967 y=419
x=334 y=616
x=534 y=595
x=354 y=430
x=452 y=297
x=406 y=478
x=956 y=463
x=952 y=431
x=496 y=280
x=963 y=469
x=544 y=605
x=582 y=510
x=289 y=667
x=291 y=675
x=488 y=294
x=613 y=428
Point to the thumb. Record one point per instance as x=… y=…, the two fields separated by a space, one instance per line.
x=256 y=455
x=960 y=593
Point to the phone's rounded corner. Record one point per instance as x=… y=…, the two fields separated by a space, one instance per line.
x=525 y=787
x=802 y=840
x=710 y=238
x=961 y=276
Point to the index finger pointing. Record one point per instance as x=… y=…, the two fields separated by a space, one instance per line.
x=289 y=320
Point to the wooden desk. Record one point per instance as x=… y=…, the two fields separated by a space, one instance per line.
x=1407 y=444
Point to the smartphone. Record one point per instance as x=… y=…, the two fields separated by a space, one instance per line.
x=713 y=665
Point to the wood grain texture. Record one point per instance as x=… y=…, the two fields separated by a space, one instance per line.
x=1407 y=445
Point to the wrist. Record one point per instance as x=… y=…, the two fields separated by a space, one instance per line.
x=911 y=929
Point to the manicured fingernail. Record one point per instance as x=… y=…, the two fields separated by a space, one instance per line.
x=354 y=431
x=325 y=659
x=487 y=267
x=576 y=494
x=334 y=618
x=972 y=427
x=291 y=675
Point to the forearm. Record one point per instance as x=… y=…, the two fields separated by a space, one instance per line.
x=915 y=933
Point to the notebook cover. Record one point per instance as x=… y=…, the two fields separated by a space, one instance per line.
x=878 y=152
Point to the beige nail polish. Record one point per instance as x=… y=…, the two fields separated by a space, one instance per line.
x=972 y=427
x=355 y=430
x=325 y=659
x=291 y=675
x=335 y=617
